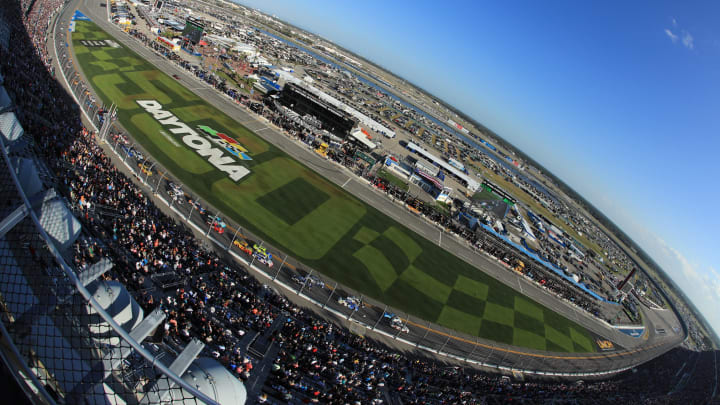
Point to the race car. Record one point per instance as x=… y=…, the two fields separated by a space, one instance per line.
x=218 y=224
x=243 y=246
x=175 y=192
x=145 y=169
x=266 y=260
x=352 y=302
x=197 y=205
x=175 y=188
x=309 y=282
x=262 y=255
x=397 y=323
x=259 y=249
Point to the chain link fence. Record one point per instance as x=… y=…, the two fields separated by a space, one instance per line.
x=70 y=332
x=74 y=335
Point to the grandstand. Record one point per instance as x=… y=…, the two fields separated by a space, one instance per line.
x=83 y=321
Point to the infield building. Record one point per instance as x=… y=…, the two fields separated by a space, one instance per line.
x=304 y=102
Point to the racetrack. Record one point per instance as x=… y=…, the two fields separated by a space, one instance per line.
x=332 y=172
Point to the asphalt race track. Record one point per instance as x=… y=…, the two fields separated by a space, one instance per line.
x=634 y=350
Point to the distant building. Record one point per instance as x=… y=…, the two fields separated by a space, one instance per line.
x=401 y=168
x=360 y=137
x=471 y=184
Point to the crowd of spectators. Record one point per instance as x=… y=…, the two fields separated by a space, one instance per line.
x=220 y=303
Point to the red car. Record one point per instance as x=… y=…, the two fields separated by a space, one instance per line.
x=177 y=77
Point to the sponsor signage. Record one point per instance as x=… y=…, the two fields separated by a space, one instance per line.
x=209 y=147
x=230 y=144
x=78 y=16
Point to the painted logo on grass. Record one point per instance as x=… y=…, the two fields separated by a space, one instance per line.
x=202 y=145
x=230 y=144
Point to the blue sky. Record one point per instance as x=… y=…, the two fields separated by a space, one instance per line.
x=621 y=100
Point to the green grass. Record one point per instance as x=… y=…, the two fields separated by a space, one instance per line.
x=485 y=195
x=293 y=201
x=327 y=229
x=472 y=288
x=380 y=268
x=460 y=321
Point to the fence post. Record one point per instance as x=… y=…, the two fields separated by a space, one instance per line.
x=503 y=359
x=280 y=268
x=400 y=329
x=127 y=152
x=147 y=175
x=380 y=318
x=329 y=296
x=192 y=207
x=143 y=165
x=352 y=312
x=253 y=253
x=233 y=238
x=172 y=200
x=444 y=344
x=160 y=177
x=305 y=283
x=473 y=350
x=427 y=330
x=211 y=223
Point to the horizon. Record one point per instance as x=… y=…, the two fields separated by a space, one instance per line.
x=646 y=47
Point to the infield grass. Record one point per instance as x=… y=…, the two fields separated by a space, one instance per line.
x=314 y=220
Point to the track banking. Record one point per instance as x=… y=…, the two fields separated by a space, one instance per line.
x=207 y=147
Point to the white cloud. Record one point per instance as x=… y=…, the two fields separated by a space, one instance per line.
x=700 y=283
x=678 y=34
x=688 y=40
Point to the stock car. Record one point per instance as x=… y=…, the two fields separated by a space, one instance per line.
x=352 y=302
x=145 y=169
x=262 y=255
x=197 y=206
x=397 y=323
x=243 y=246
x=218 y=224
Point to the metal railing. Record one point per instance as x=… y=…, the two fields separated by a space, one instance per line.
x=59 y=342
x=50 y=317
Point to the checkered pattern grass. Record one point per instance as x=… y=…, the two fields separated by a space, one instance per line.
x=317 y=222
x=293 y=201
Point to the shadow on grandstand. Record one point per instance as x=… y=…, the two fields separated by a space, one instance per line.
x=11 y=391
